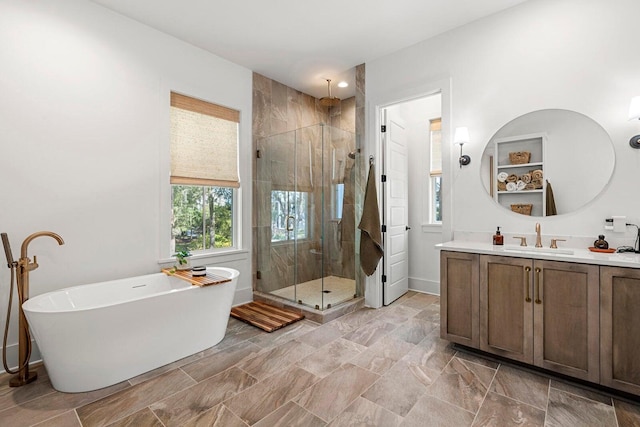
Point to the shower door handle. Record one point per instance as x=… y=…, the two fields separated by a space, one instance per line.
x=289 y=223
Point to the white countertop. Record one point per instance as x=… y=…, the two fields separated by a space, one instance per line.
x=580 y=255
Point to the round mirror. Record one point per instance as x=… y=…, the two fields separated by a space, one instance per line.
x=547 y=162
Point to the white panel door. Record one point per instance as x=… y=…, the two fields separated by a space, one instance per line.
x=396 y=212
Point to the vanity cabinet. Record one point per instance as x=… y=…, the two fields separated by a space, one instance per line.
x=619 y=320
x=459 y=297
x=543 y=313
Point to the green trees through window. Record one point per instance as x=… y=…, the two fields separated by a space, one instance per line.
x=202 y=217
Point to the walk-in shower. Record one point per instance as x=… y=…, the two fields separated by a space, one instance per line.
x=306 y=216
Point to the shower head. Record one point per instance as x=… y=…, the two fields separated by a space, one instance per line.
x=329 y=101
x=7 y=249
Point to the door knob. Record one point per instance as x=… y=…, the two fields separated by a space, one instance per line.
x=407 y=227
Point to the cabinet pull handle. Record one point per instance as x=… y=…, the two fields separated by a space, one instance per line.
x=538 y=300
x=527 y=284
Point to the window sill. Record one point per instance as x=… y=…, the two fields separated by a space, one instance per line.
x=206 y=258
x=432 y=228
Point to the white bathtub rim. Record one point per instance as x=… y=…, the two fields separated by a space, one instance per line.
x=30 y=303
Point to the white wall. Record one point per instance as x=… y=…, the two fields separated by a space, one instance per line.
x=84 y=138
x=579 y=55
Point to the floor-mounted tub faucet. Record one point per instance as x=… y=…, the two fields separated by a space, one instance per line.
x=538 y=238
x=23 y=266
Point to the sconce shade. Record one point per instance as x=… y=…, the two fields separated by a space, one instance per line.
x=461 y=136
x=634 y=108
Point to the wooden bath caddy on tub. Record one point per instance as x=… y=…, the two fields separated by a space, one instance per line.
x=209 y=279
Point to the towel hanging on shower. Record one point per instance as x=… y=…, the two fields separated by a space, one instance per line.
x=371 y=236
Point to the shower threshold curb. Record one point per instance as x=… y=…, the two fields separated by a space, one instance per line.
x=318 y=316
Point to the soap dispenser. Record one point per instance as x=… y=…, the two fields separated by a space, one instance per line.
x=601 y=243
x=498 y=239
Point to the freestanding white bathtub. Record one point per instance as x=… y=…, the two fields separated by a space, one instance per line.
x=96 y=335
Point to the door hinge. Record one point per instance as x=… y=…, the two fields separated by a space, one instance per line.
x=258 y=154
x=258 y=275
x=384 y=278
x=383 y=128
x=383 y=178
x=384 y=228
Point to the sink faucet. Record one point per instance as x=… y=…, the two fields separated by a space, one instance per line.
x=538 y=238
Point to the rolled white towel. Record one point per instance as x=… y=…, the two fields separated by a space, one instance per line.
x=502 y=176
x=520 y=185
x=512 y=186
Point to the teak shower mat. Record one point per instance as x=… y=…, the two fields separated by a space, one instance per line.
x=265 y=316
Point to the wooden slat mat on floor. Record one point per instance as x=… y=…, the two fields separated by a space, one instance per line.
x=265 y=316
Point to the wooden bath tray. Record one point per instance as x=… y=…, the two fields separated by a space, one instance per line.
x=209 y=279
x=265 y=316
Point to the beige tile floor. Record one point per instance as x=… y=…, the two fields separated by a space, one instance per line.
x=311 y=292
x=384 y=367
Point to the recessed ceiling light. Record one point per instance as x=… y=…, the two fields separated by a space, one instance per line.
x=343 y=84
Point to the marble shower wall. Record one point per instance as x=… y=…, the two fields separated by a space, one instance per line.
x=279 y=110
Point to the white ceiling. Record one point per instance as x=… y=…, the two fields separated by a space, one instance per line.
x=300 y=43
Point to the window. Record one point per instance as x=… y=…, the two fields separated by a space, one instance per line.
x=289 y=215
x=435 y=171
x=204 y=174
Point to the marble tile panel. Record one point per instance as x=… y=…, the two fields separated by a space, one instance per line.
x=431 y=313
x=371 y=332
x=567 y=409
x=262 y=83
x=382 y=355
x=215 y=363
x=276 y=359
x=68 y=419
x=463 y=384
x=627 y=414
x=279 y=101
x=291 y=415
x=284 y=335
x=132 y=399
x=218 y=416
x=581 y=391
x=321 y=335
x=398 y=313
x=363 y=412
x=144 y=417
x=435 y=412
x=11 y=396
x=193 y=401
x=414 y=330
x=261 y=114
x=470 y=357
x=420 y=301
x=521 y=385
x=432 y=352
x=400 y=388
x=334 y=393
x=498 y=410
x=353 y=321
x=53 y=405
x=257 y=402
x=331 y=356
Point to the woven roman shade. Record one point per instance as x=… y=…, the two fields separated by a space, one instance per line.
x=204 y=143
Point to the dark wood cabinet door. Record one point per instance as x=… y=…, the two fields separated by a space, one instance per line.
x=459 y=298
x=619 y=333
x=506 y=316
x=566 y=318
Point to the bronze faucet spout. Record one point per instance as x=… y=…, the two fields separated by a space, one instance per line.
x=25 y=244
x=538 y=238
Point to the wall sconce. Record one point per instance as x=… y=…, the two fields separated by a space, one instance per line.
x=634 y=113
x=461 y=136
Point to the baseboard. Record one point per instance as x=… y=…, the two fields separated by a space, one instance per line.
x=242 y=296
x=427 y=286
x=12 y=356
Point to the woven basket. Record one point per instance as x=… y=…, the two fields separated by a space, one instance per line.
x=519 y=157
x=522 y=208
